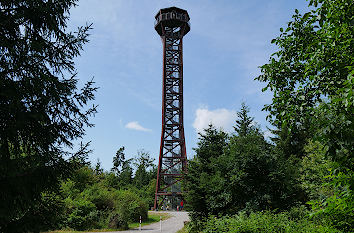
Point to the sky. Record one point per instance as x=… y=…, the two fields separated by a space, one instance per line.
x=227 y=43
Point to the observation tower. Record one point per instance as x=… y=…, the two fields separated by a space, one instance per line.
x=171 y=24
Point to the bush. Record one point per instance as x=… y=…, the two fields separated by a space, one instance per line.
x=90 y=204
x=313 y=169
x=264 y=222
x=98 y=207
x=100 y=196
x=116 y=220
x=338 y=209
x=82 y=214
x=130 y=206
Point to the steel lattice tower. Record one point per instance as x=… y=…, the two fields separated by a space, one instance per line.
x=171 y=24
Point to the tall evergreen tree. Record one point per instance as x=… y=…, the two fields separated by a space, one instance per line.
x=202 y=183
x=126 y=175
x=244 y=123
x=98 y=168
x=211 y=144
x=41 y=107
x=118 y=160
x=291 y=143
x=143 y=162
x=240 y=173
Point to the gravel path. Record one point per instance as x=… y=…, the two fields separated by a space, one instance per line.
x=170 y=225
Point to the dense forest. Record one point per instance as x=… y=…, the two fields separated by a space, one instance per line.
x=299 y=180
x=302 y=179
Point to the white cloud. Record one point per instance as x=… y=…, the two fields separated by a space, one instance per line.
x=220 y=118
x=268 y=134
x=136 y=126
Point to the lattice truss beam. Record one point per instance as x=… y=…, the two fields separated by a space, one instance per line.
x=171 y=24
x=172 y=154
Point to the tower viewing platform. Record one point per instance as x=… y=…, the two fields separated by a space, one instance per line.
x=171 y=24
x=172 y=17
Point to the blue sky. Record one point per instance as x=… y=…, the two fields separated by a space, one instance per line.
x=227 y=42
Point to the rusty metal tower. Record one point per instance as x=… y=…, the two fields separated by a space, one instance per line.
x=171 y=24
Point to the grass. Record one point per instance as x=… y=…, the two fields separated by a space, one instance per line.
x=183 y=230
x=73 y=231
x=152 y=218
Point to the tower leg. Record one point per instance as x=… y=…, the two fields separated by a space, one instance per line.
x=172 y=158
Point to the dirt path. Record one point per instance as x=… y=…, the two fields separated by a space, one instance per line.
x=170 y=225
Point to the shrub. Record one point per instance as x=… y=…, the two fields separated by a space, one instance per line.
x=264 y=222
x=100 y=196
x=130 y=206
x=90 y=204
x=82 y=214
x=116 y=220
x=338 y=209
x=313 y=169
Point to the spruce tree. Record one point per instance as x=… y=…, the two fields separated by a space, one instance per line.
x=244 y=123
x=118 y=160
x=41 y=108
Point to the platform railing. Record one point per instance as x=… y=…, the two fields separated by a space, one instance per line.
x=172 y=15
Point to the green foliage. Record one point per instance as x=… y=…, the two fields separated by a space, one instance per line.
x=118 y=160
x=41 y=108
x=98 y=168
x=264 y=222
x=338 y=208
x=90 y=202
x=244 y=122
x=122 y=172
x=126 y=176
x=117 y=220
x=147 y=192
x=211 y=145
x=328 y=188
x=84 y=177
x=313 y=169
x=81 y=214
x=130 y=205
x=145 y=169
x=111 y=180
x=258 y=177
x=311 y=75
x=312 y=79
x=335 y=129
x=101 y=196
x=49 y=211
x=243 y=173
x=291 y=143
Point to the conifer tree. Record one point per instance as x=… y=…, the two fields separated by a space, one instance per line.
x=42 y=110
x=244 y=123
x=118 y=160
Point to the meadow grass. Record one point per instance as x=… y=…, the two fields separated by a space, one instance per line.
x=152 y=218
